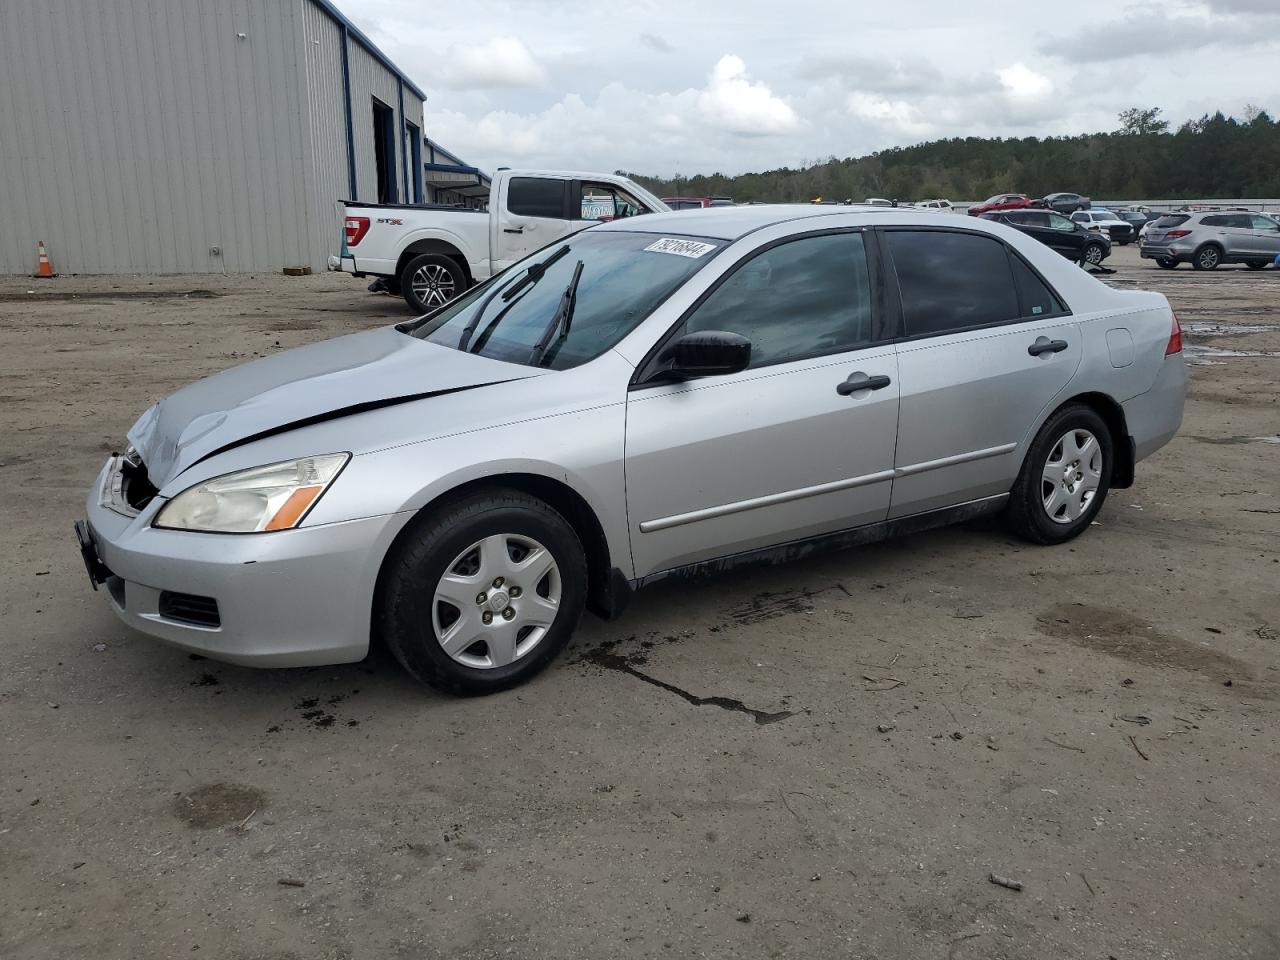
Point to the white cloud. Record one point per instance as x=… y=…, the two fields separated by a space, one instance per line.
x=1023 y=83
x=893 y=115
x=498 y=62
x=733 y=102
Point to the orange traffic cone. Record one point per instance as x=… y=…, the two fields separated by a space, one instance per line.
x=43 y=268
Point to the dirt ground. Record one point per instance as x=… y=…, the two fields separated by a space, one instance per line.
x=822 y=760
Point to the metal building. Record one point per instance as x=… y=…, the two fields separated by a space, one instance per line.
x=190 y=136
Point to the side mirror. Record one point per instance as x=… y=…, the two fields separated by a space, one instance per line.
x=705 y=354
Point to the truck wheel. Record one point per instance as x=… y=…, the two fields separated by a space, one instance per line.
x=429 y=281
x=484 y=593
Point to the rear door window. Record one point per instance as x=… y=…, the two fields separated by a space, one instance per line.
x=536 y=197
x=951 y=281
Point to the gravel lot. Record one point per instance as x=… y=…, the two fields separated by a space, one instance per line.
x=1096 y=721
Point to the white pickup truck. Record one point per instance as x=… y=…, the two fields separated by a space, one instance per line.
x=430 y=254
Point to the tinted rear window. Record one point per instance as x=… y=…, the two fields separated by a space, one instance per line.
x=536 y=197
x=1171 y=221
x=951 y=281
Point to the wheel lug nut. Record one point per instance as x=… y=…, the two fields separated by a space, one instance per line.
x=515 y=592
x=481 y=598
x=487 y=617
x=498 y=582
x=508 y=614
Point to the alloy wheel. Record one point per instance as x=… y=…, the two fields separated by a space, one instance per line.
x=496 y=601
x=433 y=284
x=1208 y=258
x=1071 y=476
x=1094 y=254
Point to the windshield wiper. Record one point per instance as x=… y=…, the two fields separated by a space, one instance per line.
x=532 y=275
x=563 y=318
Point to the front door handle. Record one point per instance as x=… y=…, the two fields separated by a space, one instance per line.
x=513 y=229
x=1045 y=345
x=860 y=381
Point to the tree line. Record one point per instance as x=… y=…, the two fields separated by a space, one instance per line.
x=1214 y=156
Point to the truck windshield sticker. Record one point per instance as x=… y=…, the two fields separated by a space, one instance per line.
x=681 y=248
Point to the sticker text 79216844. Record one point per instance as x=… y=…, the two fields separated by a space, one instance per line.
x=681 y=248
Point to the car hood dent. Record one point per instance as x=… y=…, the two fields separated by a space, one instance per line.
x=299 y=387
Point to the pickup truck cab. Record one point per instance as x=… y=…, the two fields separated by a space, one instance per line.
x=430 y=254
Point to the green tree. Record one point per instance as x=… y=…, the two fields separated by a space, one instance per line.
x=1139 y=121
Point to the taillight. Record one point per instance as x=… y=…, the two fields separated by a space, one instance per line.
x=355 y=228
x=1176 y=234
x=1175 y=338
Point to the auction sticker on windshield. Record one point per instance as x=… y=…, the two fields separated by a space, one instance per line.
x=681 y=248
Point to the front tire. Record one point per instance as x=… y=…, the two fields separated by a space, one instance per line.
x=430 y=280
x=1207 y=257
x=1065 y=477
x=483 y=594
x=1257 y=264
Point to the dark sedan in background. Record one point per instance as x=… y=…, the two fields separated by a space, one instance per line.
x=1067 y=203
x=1057 y=232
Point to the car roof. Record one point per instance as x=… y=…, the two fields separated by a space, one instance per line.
x=730 y=223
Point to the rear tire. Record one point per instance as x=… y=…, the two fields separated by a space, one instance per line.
x=1207 y=257
x=430 y=280
x=1065 y=477
x=1093 y=254
x=1167 y=262
x=471 y=549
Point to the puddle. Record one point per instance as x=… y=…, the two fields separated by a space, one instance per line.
x=218 y=804
x=1197 y=355
x=1197 y=329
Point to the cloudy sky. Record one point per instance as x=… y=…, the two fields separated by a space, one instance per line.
x=699 y=86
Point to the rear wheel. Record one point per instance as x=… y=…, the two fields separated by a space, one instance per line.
x=1094 y=254
x=1207 y=257
x=483 y=594
x=1065 y=477
x=1167 y=262
x=430 y=280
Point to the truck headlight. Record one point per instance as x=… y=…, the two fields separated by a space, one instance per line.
x=274 y=497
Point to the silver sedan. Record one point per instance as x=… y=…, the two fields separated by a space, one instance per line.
x=666 y=396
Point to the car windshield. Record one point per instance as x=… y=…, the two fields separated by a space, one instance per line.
x=533 y=314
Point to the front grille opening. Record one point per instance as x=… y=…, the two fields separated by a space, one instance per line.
x=135 y=485
x=188 y=608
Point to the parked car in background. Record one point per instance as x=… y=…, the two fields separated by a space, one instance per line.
x=696 y=203
x=1073 y=240
x=1067 y=203
x=430 y=254
x=1208 y=240
x=1002 y=201
x=935 y=206
x=1120 y=231
x=658 y=397
x=877 y=202
x=1135 y=218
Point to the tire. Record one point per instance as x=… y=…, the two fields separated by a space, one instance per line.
x=1042 y=508
x=1093 y=254
x=1257 y=264
x=1167 y=263
x=430 y=280
x=1207 y=257
x=462 y=539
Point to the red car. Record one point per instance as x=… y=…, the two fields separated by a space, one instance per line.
x=1003 y=201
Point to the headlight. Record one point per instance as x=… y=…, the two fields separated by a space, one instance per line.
x=275 y=497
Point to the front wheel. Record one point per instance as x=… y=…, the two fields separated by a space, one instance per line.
x=1064 y=479
x=430 y=280
x=483 y=594
x=1257 y=264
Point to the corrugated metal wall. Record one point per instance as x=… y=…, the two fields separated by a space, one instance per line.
x=135 y=135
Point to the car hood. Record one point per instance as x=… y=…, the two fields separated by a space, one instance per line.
x=299 y=387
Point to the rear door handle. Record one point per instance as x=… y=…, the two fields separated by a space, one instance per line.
x=1045 y=345
x=513 y=229
x=860 y=381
